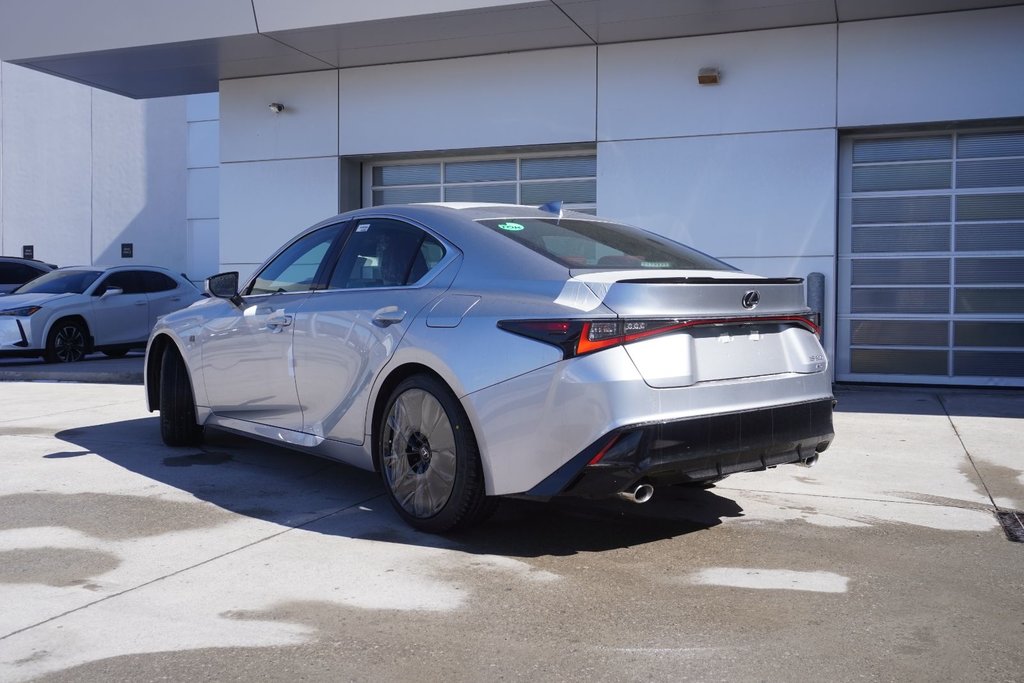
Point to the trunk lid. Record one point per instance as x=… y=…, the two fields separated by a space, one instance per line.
x=744 y=326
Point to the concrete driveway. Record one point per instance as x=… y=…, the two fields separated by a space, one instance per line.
x=122 y=559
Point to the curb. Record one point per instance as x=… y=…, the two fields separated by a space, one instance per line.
x=80 y=377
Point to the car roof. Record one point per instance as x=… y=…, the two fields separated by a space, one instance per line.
x=104 y=269
x=29 y=261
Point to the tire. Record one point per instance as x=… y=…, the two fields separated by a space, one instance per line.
x=67 y=342
x=429 y=458
x=115 y=353
x=177 y=402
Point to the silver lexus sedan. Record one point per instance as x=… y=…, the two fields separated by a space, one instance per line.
x=471 y=351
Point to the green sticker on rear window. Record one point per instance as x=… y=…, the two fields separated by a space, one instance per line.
x=511 y=227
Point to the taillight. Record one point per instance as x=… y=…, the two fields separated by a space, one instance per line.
x=580 y=337
x=603 y=334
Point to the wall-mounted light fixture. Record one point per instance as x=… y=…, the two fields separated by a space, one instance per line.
x=709 y=75
x=276 y=107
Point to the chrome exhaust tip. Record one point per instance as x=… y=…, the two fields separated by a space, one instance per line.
x=641 y=493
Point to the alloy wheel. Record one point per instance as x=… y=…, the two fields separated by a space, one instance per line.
x=419 y=454
x=69 y=344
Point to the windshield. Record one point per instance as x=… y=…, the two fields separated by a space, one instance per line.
x=60 y=282
x=583 y=244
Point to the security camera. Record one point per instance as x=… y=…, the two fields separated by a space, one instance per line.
x=276 y=107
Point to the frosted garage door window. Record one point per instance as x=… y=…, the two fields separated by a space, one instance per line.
x=527 y=179
x=932 y=258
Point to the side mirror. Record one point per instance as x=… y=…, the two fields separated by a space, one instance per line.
x=224 y=286
x=111 y=291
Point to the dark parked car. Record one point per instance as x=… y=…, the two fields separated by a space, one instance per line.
x=14 y=272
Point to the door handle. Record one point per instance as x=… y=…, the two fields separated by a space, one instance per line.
x=141 y=303
x=387 y=316
x=278 y=322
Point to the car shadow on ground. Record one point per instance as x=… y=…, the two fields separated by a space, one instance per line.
x=294 y=489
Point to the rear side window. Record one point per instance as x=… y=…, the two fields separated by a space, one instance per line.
x=17 y=273
x=583 y=244
x=385 y=253
x=157 y=282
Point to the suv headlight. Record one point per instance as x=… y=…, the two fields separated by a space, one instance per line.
x=22 y=312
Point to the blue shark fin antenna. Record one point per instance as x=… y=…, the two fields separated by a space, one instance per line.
x=552 y=207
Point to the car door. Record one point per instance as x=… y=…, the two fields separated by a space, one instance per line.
x=119 y=318
x=165 y=294
x=247 y=355
x=386 y=273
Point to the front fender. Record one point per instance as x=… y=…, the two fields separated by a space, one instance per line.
x=180 y=330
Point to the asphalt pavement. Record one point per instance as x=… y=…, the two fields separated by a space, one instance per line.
x=123 y=559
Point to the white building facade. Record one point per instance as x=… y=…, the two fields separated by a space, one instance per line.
x=880 y=144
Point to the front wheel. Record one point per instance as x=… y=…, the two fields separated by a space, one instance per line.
x=66 y=343
x=429 y=458
x=177 y=402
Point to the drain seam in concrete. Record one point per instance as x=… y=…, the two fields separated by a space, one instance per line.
x=977 y=508
x=66 y=412
x=189 y=568
x=970 y=458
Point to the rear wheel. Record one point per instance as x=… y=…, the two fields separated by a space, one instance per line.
x=177 y=402
x=66 y=343
x=429 y=458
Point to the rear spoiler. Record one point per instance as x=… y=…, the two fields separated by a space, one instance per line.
x=714 y=281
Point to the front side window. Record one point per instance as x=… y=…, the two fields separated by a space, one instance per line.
x=130 y=282
x=583 y=244
x=60 y=282
x=295 y=268
x=385 y=253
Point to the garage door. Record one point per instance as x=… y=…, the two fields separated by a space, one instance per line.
x=531 y=179
x=931 y=258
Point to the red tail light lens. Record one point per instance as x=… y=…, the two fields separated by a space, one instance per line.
x=604 y=334
x=580 y=337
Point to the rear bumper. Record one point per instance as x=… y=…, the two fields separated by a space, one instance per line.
x=694 y=449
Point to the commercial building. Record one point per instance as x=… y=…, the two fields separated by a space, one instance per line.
x=878 y=143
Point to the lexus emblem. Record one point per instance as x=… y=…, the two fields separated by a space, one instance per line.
x=751 y=299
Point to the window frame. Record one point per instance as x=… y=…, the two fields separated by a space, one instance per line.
x=326 y=262
x=519 y=182
x=451 y=254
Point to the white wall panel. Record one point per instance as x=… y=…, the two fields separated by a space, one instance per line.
x=531 y=98
x=47 y=162
x=264 y=204
x=3 y=246
x=308 y=126
x=138 y=180
x=203 y=144
x=205 y=107
x=941 y=67
x=203 y=249
x=756 y=195
x=770 y=80
x=203 y=193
